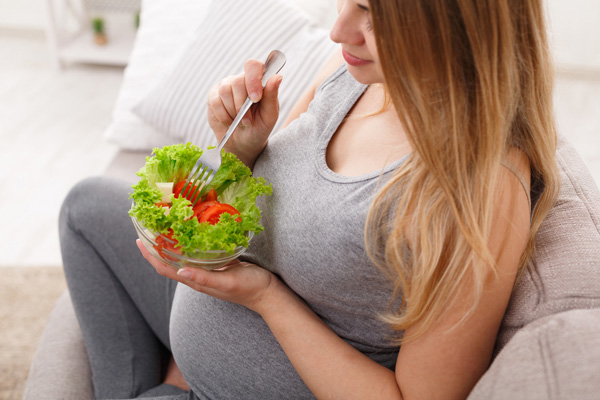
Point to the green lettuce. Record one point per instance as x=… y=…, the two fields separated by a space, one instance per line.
x=233 y=183
x=171 y=163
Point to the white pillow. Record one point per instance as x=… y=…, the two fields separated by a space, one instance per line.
x=233 y=31
x=324 y=12
x=165 y=27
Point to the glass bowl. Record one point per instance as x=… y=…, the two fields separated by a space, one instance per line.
x=209 y=260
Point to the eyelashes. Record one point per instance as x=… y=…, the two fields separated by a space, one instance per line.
x=369 y=26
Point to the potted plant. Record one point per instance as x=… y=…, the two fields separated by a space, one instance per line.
x=98 y=28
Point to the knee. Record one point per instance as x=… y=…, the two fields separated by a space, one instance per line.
x=78 y=198
x=81 y=202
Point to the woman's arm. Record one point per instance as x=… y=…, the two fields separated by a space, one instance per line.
x=329 y=366
x=446 y=363
x=226 y=99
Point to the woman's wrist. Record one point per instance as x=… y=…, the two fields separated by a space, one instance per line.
x=247 y=156
x=277 y=298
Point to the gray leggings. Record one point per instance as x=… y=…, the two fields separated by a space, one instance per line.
x=122 y=304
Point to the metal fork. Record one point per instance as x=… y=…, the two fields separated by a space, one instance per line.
x=209 y=163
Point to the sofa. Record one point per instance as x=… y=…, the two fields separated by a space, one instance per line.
x=548 y=345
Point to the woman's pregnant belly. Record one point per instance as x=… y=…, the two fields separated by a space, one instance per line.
x=226 y=351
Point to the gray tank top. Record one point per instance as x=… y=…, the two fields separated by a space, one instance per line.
x=313 y=240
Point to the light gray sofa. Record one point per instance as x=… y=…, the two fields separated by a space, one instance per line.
x=548 y=346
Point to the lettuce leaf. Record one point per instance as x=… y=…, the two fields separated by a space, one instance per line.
x=170 y=163
x=242 y=196
x=231 y=170
x=233 y=183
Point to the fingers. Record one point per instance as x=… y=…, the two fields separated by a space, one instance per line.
x=203 y=280
x=226 y=99
x=195 y=277
x=232 y=93
x=253 y=70
x=216 y=109
x=239 y=282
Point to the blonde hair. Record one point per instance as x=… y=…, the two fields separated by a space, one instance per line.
x=469 y=79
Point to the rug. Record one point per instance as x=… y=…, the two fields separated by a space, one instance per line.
x=27 y=296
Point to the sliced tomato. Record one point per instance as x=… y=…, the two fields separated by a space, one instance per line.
x=179 y=187
x=201 y=207
x=212 y=214
x=211 y=195
x=162 y=204
x=161 y=252
x=166 y=241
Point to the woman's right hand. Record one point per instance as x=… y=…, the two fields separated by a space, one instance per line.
x=226 y=99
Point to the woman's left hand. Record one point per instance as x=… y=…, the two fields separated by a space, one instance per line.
x=238 y=282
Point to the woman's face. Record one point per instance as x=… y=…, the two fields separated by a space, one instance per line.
x=353 y=30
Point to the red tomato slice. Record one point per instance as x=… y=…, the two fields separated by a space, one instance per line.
x=179 y=187
x=212 y=214
x=162 y=204
x=166 y=241
x=211 y=195
x=201 y=207
x=161 y=252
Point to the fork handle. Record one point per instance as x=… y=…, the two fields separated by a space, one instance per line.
x=275 y=61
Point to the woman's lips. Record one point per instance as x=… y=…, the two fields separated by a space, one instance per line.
x=354 y=61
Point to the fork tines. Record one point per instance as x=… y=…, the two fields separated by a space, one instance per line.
x=191 y=190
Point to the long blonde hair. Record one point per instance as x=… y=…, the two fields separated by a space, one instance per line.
x=469 y=79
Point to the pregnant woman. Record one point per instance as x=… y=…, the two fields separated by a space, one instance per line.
x=408 y=185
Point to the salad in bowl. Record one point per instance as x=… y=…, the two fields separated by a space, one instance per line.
x=209 y=234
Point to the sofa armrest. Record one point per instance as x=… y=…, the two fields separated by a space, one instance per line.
x=555 y=357
x=60 y=367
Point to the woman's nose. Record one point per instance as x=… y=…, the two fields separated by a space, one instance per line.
x=346 y=28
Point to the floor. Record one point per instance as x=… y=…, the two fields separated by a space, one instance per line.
x=27 y=296
x=51 y=136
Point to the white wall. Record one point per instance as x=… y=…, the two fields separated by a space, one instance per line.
x=23 y=14
x=574 y=25
x=575 y=32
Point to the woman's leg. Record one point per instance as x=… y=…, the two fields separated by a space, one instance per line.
x=122 y=304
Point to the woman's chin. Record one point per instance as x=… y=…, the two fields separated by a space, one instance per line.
x=365 y=74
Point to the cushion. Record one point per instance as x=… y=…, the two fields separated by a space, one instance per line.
x=555 y=357
x=165 y=25
x=233 y=31
x=323 y=12
x=564 y=273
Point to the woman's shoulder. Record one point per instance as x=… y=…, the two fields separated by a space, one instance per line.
x=517 y=170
